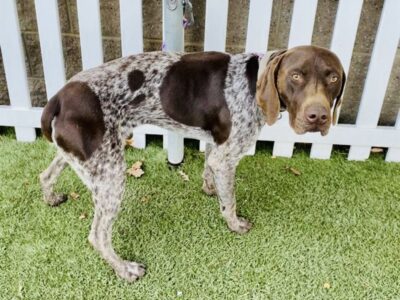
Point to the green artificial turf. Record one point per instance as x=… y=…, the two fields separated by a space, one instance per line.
x=331 y=233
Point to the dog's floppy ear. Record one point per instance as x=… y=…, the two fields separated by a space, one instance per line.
x=338 y=101
x=267 y=92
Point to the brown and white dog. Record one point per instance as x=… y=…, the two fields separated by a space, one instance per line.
x=221 y=98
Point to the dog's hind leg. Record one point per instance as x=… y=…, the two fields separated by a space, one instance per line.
x=105 y=177
x=49 y=177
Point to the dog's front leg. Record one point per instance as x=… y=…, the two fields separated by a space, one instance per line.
x=208 y=176
x=223 y=167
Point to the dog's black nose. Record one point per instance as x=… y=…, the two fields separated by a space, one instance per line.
x=316 y=114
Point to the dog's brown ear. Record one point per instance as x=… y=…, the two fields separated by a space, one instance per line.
x=338 y=101
x=267 y=92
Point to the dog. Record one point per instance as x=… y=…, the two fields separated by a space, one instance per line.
x=221 y=98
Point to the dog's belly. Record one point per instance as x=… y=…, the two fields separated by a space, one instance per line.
x=171 y=125
x=191 y=132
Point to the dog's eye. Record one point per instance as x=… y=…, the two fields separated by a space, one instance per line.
x=296 y=76
x=334 y=78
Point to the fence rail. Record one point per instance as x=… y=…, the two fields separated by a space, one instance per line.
x=360 y=137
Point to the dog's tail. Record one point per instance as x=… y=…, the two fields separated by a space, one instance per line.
x=50 y=111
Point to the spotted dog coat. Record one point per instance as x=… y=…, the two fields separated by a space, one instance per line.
x=221 y=98
x=208 y=96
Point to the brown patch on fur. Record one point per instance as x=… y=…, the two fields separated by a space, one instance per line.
x=192 y=93
x=135 y=80
x=138 y=99
x=251 y=74
x=79 y=125
x=124 y=66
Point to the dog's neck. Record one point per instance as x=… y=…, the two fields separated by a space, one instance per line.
x=264 y=59
x=262 y=63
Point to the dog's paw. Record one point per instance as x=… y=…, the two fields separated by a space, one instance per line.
x=55 y=199
x=209 y=188
x=131 y=271
x=239 y=225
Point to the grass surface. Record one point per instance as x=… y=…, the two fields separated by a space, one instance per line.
x=331 y=233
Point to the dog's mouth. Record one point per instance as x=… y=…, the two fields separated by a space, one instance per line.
x=323 y=130
x=301 y=127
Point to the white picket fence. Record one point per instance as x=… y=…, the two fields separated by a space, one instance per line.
x=360 y=137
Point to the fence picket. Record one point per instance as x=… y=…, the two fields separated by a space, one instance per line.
x=132 y=42
x=302 y=25
x=343 y=38
x=90 y=33
x=50 y=45
x=383 y=54
x=393 y=153
x=301 y=30
x=215 y=27
x=215 y=31
x=131 y=26
x=259 y=22
x=14 y=65
x=258 y=25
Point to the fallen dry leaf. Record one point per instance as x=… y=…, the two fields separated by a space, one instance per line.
x=135 y=172
x=82 y=216
x=376 y=150
x=293 y=170
x=184 y=176
x=74 y=196
x=145 y=199
x=327 y=285
x=136 y=169
x=129 y=142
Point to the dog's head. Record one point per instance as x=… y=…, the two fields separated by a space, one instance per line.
x=308 y=81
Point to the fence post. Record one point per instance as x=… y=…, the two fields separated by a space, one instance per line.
x=173 y=40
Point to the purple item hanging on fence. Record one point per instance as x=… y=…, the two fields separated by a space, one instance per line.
x=188 y=19
x=185 y=23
